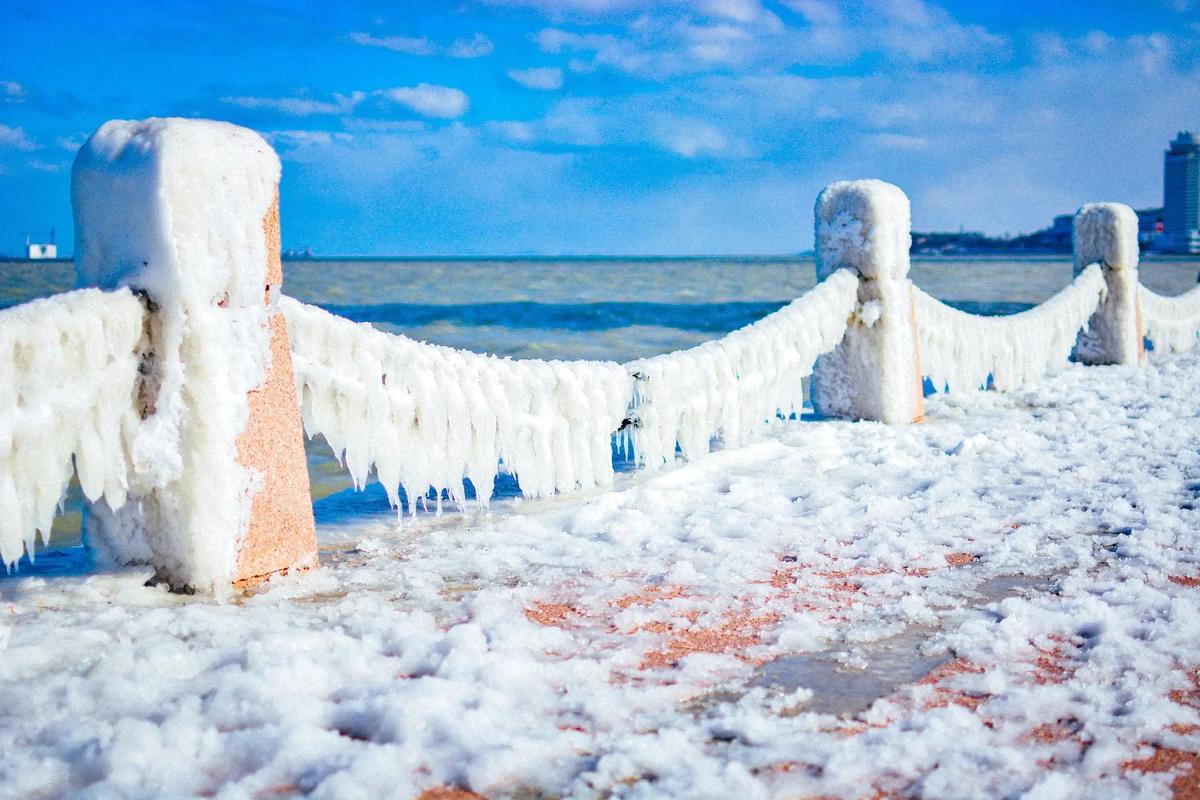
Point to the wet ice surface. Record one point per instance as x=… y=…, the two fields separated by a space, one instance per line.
x=845 y=682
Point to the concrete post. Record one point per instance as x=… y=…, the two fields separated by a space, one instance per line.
x=185 y=212
x=1106 y=233
x=875 y=372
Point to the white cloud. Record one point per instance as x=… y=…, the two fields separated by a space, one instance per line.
x=513 y=131
x=70 y=143
x=12 y=92
x=430 y=100
x=816 y=12
x=400 y=44
x=475 y=47
x=46 y=166
x=690 y=137
x=15 y=138
x=302 y=138
x=299 y=106
x=899 y=141
x=543 y=78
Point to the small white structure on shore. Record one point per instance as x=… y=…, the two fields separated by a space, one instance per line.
x=40 y=250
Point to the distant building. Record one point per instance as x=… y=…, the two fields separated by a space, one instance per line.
x=1057 y=238
x=1181 y=195
x=1150 y=227
x=40 y=250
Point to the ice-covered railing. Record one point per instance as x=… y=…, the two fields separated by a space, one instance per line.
x=176 y=394
x=427 y=416
x=960 y=351
x=1172 y=323
x=68 y=399
x=727 y=387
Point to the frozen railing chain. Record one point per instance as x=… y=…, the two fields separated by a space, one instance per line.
x=960 y=350
x=727 y=387
x=427 y=416
x=1172 y=323
x=68 y=381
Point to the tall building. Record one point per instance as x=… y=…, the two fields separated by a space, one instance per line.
x=1181 y=195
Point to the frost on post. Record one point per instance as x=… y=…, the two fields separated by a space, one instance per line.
x=1106 y=234
x=179 y=210
x=863 y=226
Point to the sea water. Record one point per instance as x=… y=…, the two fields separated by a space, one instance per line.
x=577 y=308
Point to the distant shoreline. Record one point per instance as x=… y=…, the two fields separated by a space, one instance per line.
x=918 y=255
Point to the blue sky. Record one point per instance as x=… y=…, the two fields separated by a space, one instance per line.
x=614 y=126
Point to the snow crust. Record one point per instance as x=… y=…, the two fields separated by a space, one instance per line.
x=731 y=386
x=959 y=351
x=426 y=416
x=70 y=374
x=175 y=208
x=1172 y=323
x=410 y=660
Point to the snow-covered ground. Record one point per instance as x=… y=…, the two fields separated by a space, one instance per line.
x=1000 y=602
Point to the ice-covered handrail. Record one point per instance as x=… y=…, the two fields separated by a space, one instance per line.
x=960 y=350
x=427 y=416
x=68 y=384
x=1172 y=323
x=728 y=386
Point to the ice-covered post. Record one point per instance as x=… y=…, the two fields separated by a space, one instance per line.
x=186 y=213
x=1107 y=234
x=875 y=373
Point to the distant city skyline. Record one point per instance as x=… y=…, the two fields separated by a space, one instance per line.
x=1181 y=194
x=679 y=127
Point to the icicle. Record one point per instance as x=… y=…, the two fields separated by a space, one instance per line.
x=425 y=416
x=1172 y=323
x=733 y=385
x=68 y=374
x=959 y=350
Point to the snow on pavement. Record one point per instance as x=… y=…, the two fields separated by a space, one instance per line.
x=999 y=602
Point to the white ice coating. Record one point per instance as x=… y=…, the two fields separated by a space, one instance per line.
x=69 y=367
x=428 y=416
x=175 y=208
x=1106 y=234
x=728 y=387
x=1172 y=323
x=864 y=226
x=960 y=350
